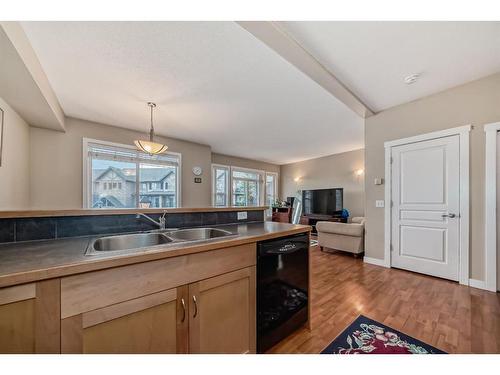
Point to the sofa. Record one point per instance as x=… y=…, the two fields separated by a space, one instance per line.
x=348 y=237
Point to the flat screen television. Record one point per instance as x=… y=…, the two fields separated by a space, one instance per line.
x=323 y=201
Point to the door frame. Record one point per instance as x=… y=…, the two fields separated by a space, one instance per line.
x=490 y=187
x=463 y=255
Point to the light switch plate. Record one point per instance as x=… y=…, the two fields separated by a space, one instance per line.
x=242 y=215
x=379 y=203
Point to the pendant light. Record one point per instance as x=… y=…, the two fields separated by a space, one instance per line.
x=150 y=147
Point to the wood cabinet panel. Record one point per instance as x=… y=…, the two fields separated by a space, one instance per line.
x=29 y=318
x=94 y=290
x=72 y=335
x=128 y=307
x=153 y=323
x=223 y=318
x=17 y=327
x=48 y=316
x=17 y=293
x=152 y=330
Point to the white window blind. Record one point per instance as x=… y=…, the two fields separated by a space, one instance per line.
x=108 y=152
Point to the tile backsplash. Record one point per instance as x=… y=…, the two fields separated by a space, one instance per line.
x=44 y=228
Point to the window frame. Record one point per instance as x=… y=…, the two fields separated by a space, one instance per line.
x=229 y=187
x=261 y=184
x=275 y=193
x=87 y=172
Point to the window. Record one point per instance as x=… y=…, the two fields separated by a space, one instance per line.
x=220 y=185
x=153 y=193
x=133 y=176
x=271 y=190
x=246 y=187
x=242 y=187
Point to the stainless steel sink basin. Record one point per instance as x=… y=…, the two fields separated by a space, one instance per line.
x=138 y=241
x=198 y=234
x=130 y=241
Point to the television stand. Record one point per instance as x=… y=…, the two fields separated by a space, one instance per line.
x=312 y=219
x=282 y=214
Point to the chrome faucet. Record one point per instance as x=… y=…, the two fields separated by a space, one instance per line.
x=162 y=222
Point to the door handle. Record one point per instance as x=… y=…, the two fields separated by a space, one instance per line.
x=183 y=310
x=195 y=307
x=451 y=216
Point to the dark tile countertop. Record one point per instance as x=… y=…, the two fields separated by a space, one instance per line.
x=24 y=262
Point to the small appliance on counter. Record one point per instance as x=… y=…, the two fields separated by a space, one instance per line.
x=282 y=288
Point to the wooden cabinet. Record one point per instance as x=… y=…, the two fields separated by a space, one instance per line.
x=222 y=313
x=29 y=318
x=282 y=214
x=154 y=323
x=197 y=303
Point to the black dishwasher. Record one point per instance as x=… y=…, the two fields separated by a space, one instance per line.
x=282 y=288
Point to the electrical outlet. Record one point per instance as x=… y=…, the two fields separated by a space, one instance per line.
x=242 y=215
x=379 y=203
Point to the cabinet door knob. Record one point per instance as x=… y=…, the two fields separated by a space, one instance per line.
x=195 y=307
x=183 y=310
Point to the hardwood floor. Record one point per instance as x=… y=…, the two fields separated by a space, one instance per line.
x=449 y=316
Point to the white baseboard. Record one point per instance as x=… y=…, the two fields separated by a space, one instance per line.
x=480 y=284
x=375 y=261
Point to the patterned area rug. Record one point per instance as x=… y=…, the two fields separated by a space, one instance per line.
x=367 y=336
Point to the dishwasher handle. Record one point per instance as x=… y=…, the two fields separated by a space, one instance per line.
x=284 y=246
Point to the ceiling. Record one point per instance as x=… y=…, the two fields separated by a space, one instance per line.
x=214 y=83
x=373 y=58
x=217 y=84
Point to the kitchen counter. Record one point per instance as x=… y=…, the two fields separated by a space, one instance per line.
x=24 y=262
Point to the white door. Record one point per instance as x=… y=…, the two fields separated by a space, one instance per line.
x=425 y=207
x=498 y=210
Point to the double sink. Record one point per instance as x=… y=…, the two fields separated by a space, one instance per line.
x=140 y=241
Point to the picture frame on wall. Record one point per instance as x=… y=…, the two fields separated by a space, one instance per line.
x=1 y=134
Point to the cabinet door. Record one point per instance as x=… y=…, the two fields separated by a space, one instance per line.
x=29 y=318
x=155 y=323
x=222 y=315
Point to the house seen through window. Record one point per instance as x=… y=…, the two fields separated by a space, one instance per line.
x=122 y=177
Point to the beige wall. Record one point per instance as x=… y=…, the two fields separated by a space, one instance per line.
x=475 y=103
x=14 y=171
x=56 y=164
x=244 y=163
x=23 y=83
x=328 y=172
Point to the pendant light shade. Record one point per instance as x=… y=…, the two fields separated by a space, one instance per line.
x=150 y=147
